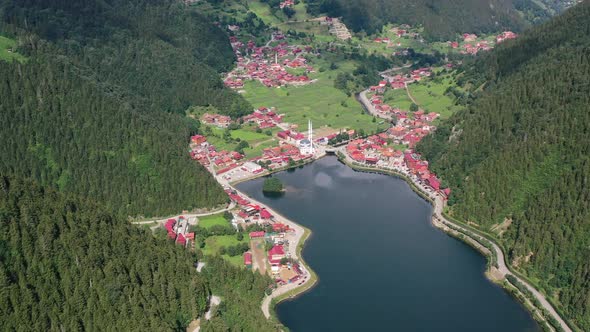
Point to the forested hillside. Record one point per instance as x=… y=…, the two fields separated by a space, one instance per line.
x=67 y=264
x=98 y=107
x=518 y=159
x=441 y=19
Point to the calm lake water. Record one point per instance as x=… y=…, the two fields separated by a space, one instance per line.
x=381 y=265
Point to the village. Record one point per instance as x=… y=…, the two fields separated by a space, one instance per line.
x=252 y=235
x=273 y=66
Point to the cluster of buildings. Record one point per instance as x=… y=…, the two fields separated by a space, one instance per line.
x=293 y=146
x=269 y=64
x=418 y=168
x=206 y=154
x=283 y=270
x=472 y=46
x=374 y=151
x=221 y=121
x=399 y=81
x=475 y=48
x=264 y=117
x=177 y=229
x=505 y=35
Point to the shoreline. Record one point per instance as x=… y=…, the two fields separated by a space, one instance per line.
x=463 y=232
x=490 y=250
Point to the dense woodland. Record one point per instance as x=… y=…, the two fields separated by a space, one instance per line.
x=519 y=156
x=94 y=130
x=67 y=264
x=98 y=107
x=441 y=19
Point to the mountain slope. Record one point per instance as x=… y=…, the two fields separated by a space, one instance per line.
x=441 y=19
x=98 y=107
x=519 y=157
x=67 y=264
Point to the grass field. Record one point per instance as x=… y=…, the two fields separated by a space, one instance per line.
x=257 y=141
x=320 y=101
x=262 y=10
x=209 y=221
x=248 y=135
x=430 y=96
x=213 y=243
x=6 y=50
x=398 y=98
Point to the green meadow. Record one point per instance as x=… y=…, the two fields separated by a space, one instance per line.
x=319 y=101
x=210 y=221
x=7 y=52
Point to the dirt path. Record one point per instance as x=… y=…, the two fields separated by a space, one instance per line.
x=410 y=95
x=262 y=142
x=258 y=256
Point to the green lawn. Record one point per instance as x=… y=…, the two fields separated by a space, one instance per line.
x=7 y=52
x=397 y=98
x=248 y=135
x=430 y=96
x=257 y=141
x=213 y=243
x=320 y=101
x=209 y=221
x=235 y=260
x=263 y=11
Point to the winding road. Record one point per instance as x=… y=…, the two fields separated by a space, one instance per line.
x=187 y=215
x=438 y=204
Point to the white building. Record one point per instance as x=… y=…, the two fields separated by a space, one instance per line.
x=252 y=167
x=306 y=144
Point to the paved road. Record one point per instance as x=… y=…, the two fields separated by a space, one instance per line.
x=187 y=215
x=294 y=238
x=365 y=101
x=438 y=207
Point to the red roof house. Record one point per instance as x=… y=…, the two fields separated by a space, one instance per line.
x=258 y=234
x=264 y=214
x=433 y=182
x=248 y=259
x=276 y=254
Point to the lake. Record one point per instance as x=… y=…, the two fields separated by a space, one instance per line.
x=382 y=266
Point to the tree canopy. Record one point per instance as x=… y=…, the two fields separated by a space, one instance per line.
x=518 y=158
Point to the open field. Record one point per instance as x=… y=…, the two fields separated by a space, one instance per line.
x=248 y=135
x=209 y=221
x=320 y=101
x=398 y=98
x=213 y=243
x=430 y=95
x=6 y=50
x=263 y=11
x=235 y=260
x=257 y=141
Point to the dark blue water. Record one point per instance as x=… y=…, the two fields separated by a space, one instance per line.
x=381 y=265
